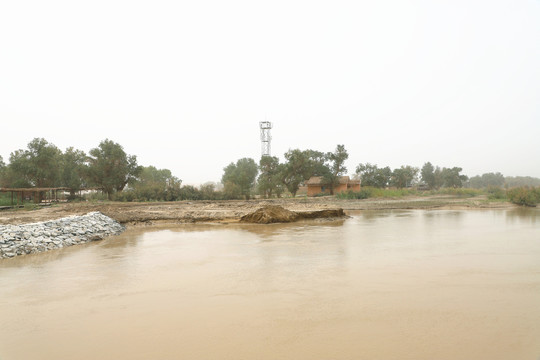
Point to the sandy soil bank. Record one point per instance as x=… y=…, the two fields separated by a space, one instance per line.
x=231 y=211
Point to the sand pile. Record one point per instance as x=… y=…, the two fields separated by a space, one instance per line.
x=277 y=214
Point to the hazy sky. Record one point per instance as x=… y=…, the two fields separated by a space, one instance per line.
x=184 y=84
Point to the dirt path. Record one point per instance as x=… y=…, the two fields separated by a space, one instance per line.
x=232 y=210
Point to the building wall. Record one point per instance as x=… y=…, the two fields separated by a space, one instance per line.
x=313 y=190
x=340 y=188
x=354 y=187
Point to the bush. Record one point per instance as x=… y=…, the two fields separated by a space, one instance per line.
x=5 y=199
x=96 y=196
x=496 y=193
x=126 y=195
x=524 y=196
x=362 y=194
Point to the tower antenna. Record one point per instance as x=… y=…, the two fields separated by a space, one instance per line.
x=265 y=137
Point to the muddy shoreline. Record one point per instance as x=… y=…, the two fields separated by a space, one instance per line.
x=232 y=210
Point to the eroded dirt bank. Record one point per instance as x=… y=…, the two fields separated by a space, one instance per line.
x=233 y=210
x=269 y=214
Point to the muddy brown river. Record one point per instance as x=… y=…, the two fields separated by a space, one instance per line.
x=381 y=285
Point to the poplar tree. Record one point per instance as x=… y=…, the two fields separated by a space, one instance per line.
x=111 y=168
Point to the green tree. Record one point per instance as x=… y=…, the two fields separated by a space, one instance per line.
x=17 y=174
x=515 y=181
x=2 y=172
x=190 y=192
x=300 y=166
x=428 y=175
x=208 y=191
x=239 y=178
x=73 y=170
x=476 y=182
x=269 y=178
x=372 y=175
x=155 y=184
x=296 y=170
x=438 y=181
x=317 y=164
x=487 y=180
x=111 y=168
x=37 y=166
x=336 y=166
x=405 y=176
x=452 y=177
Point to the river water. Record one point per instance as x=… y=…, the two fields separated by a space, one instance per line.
x=381 y=285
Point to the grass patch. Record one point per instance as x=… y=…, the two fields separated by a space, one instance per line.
x=460 y=192
x=5 y=200
x=372 y=192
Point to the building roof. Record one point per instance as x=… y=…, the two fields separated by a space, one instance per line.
x=319 y=180
x=34 y=189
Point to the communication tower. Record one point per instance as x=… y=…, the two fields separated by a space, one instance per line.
x=265 y=137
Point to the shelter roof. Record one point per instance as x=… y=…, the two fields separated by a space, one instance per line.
x=32 y=189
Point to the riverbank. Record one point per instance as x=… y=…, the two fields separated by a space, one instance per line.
x=232 y=210
x=55 y=234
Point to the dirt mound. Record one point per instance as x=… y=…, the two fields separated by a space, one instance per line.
x=325 y=214
x=270 y=214
x=276 y=214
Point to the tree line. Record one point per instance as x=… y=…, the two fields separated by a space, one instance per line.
x=109 y=168
x=274 y=178
x=271 y=178
x=44 y=165
x=106 y=167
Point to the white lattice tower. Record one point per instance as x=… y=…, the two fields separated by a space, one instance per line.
x=265 y=137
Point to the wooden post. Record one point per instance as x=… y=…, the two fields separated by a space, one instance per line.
x=11 y=198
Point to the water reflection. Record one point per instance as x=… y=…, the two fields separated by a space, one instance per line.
x=265 y=231
x=523 y=215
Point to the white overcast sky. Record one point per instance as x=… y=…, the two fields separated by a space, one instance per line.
x=184 y=84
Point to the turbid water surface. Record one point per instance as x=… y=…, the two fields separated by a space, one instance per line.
x=382 y=285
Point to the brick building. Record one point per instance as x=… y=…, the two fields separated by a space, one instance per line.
x=316 y=185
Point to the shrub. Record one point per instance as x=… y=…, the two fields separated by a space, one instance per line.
x=5 y=199
x=126 y=195
x=524 y=196
x=496 y=193
x=362 y=194
x=96 y=196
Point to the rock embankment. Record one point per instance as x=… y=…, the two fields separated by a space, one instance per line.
x=277 y=214
x=37 y=237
